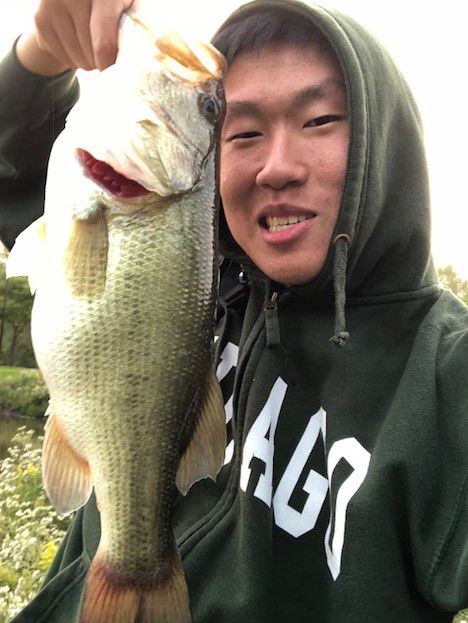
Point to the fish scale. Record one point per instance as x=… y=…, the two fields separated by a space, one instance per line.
x=127 y=300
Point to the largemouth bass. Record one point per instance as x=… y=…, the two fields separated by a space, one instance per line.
x=124 y=269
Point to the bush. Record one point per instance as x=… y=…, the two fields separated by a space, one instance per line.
x=30 y=529
x=24 y=393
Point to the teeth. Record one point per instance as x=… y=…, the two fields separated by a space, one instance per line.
x=276 y=223
x=99 y=168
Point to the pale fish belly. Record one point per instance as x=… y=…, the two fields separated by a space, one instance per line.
x=125 y=369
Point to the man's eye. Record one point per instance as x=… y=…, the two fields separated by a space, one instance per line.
x=322 y=120
x=245 y=135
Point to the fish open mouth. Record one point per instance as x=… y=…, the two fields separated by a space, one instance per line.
x=107 y=177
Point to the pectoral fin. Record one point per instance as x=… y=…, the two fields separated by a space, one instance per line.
x=204 y=455
x=66 y=476
x=26 y=259
x=86 y=255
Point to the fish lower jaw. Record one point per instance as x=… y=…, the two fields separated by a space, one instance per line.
x=105 y=176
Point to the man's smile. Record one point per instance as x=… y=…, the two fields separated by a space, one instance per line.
x=282 y=223
x=285 y=229
x=276 y=214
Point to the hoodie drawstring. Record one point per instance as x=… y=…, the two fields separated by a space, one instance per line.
x=340 y=263
x=272 y=322
x=341 y=243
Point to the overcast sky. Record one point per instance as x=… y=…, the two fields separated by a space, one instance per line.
x=429 y=43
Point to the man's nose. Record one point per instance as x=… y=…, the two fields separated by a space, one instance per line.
x=283 y=164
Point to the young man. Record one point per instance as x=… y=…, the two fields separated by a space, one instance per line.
x=344 y=494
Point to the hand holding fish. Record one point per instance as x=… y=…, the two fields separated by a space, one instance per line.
x=72 y=35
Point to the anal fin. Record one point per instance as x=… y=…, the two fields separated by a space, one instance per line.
x=66 y=476
x=204 y=455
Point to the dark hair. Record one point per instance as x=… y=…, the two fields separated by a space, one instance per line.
x=257 y=30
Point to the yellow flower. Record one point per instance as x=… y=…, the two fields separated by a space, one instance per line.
x=47 y=555
x=31 y=469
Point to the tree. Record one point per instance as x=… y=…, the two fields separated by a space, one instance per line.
x=15 y=313
x=449 y=279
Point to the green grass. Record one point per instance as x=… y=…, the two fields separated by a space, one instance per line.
x=8 y=371
x=22 y=392
x=22 y=395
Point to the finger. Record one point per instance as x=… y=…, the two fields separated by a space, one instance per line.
x=48 y=41
x=82 y=29
x=58 y=36
x=69 y=40
x=104 y=26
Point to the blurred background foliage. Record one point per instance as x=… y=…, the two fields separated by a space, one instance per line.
x=449 y=279
x=15 y=328
x=30 y=529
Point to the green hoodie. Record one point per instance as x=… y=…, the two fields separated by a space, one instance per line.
x=344 y=493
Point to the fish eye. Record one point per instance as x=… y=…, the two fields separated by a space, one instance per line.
x=210 y=107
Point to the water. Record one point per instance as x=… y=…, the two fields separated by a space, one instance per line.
x=9 y=427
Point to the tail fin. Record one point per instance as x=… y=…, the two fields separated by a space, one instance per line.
x=110 y=599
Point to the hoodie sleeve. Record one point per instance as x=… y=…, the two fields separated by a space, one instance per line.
x=32 y=113
x=447 y=574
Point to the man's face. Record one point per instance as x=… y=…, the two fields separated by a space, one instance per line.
x=284 y=148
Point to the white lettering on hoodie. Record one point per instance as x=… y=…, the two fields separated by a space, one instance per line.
x=260 y=444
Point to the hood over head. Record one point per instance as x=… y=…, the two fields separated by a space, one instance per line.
x=384 y=213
